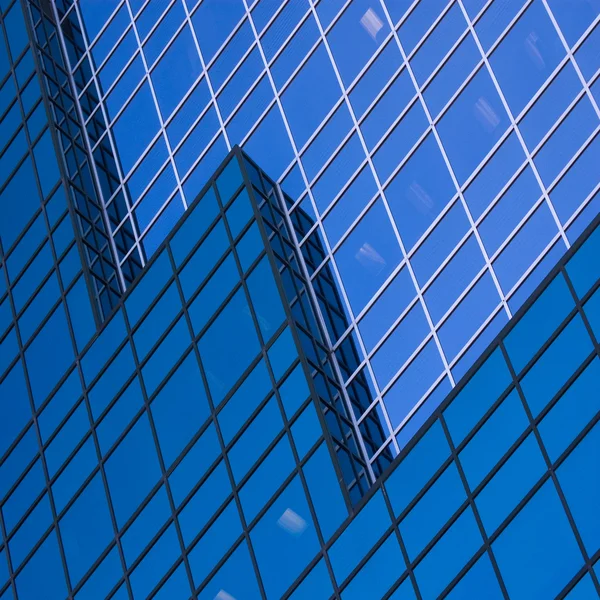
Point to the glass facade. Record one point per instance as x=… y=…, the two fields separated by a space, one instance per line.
x=190 y=409
x=444 y=149
x=198 y=444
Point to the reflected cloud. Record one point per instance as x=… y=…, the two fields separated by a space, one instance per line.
x=368 y=257
x=371 y=23
x=531 y=45
x=292 y=522
x=223 y=595
x=420 y=198
x=486 y=115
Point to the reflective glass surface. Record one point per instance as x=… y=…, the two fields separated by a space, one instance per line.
x=453 y=142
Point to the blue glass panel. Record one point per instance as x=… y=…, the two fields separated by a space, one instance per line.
x=45 y=368
x=136 y=127
x=43 y=575
x=156 y=563
x=176 y=72
x=316 y=584
x=203 y=260
x=24 y=495
x=166 y=355
x=177 y=586
x=74 y=474
x=204 y=503
x=111 y=381
x=584 y=590
x=582 y=268
x=266 y=300
x=71 y=433
x=304 y=112
x=534 y=328
x=103 y=347
x=537 y=553
x=147 y=287
x=582 y=488
x=325 y=492
x=282 y=353
x=527 y=56
x=432 y=511
x=368 y=256
x=146 y=525
x=556 y=365
x=244 y=401
x=479 y=582
x=287 y=526
x=235 y=579
x=494 y=439
x=448 y=556
x=229 y=180
x=36 y=523
x=254 y=441
x=572 y=412
x=215 y=542
x=306 y=430
x=80 y=311
x=417 y=467
x=510 y=484
x=214 y=292
x=132 y=470
x=361 y=534
x=472 y=125
x=15 y=409
x=225 y=362
x=86 y=529
x=103 y=579
x=380 y=572
x=180 y=408
x=267 y=478
x=294 y=391
x=15 y=463
x=194 y=464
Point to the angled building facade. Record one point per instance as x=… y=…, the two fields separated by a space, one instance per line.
x=189 y=410
x=446 y=161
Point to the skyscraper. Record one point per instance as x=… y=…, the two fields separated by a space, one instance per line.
x=187 y=410
x=443 y=149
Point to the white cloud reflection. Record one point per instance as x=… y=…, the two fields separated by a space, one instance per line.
x=292 y=522
x=371 y=23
